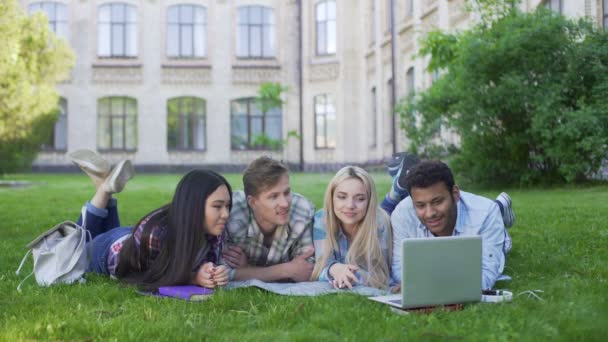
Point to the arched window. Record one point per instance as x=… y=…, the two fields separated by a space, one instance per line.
x=186 y=125
x=253 y=129
x=58 y=138
x=116 y=30
x=117 y=123
x=325 y=121
x=186 y=31
x=256 y=32
x=57 y=14
x=325 y=16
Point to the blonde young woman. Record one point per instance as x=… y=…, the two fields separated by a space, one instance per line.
x=352 y=235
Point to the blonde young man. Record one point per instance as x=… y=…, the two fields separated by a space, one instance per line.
x=270 y=227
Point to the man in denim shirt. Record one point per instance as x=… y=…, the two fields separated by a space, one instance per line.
x=436 y=207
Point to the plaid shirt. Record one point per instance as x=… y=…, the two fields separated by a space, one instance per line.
x=154 y=242
x=339 y=255
x=288 y=241
x=211 y=252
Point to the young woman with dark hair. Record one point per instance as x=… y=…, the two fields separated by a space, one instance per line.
x=179 y=243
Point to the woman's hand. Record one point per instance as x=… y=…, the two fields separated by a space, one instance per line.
x=205 y=276
x=220 y=277
x=344 y=275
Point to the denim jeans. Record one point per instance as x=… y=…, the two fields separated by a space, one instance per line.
x=104 y=226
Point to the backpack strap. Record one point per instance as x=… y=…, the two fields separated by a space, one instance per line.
x=20 y=267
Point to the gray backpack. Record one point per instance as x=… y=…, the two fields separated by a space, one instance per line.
x=59 y=255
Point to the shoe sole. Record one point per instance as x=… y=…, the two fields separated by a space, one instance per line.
x=119 y=176
x=509 y=214
x=90 y=162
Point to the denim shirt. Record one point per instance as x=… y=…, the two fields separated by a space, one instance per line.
x=476 y=215
x=319 y=234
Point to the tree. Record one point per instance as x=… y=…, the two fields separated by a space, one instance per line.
x=32 y=61
x=525 y=93
x=269 y=98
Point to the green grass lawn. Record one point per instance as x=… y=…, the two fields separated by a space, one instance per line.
x=560 y=246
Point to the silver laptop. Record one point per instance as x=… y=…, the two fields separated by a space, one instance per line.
x=438 y=271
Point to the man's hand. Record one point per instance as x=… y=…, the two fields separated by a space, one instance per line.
x=204 y=276
x=235 y=257
x=299 y=268
x=344 y=275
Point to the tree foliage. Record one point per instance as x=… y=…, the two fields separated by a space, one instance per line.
x=526 y=95
x=32 y=61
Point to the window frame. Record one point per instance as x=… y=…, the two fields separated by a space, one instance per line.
x=325 y=23
x=181 y=25
x=53 y=20
x=62 y=119
x=605 y=13
x=189 y=118
x=372 y=24
x=409 y=8
x=324 y=114
x=374 y=111
x=263 y=116
x=121 y=117
x=125 y=25
x=549 y=5
x=262 y=26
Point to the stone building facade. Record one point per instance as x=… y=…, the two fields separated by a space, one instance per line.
x=170 y=83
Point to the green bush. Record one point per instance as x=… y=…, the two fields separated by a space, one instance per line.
x=525 y=93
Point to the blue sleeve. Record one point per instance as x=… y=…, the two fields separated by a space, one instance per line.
x=319 y=235
x=493 y=258
x=399 y=222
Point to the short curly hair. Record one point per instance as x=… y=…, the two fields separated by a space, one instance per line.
x=428 y=173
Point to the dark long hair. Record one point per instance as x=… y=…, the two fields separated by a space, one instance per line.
x=183 y=221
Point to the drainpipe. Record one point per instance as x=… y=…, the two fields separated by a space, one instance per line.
x=394 y=76
x=300 y=68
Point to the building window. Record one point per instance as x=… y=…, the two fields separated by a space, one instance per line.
x=57 y=15
x=117 y=30
x=389 y=117
x=252 y=129
x=256 y=32
x=372 y=22
x=186 y=123
x=326 y=27
x=409 y=8
x=554 y=5
x=605 y=14
x=186 y=31
x=410 y=80
x=117 y=123
x=389 y=11
x=373 y=122
x=325 y=121
x=58 y=139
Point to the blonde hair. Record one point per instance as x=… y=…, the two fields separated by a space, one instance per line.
x=365 y=250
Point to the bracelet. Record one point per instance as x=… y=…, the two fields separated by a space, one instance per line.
x=329 y=276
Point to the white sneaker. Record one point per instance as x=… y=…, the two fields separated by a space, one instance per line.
x=90 y=162
x=118 y=178
x=508 y=216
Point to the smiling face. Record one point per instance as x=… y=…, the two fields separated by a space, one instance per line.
x=271 y=206
x=217 y=209
x=436 y=207
x=350 y=201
